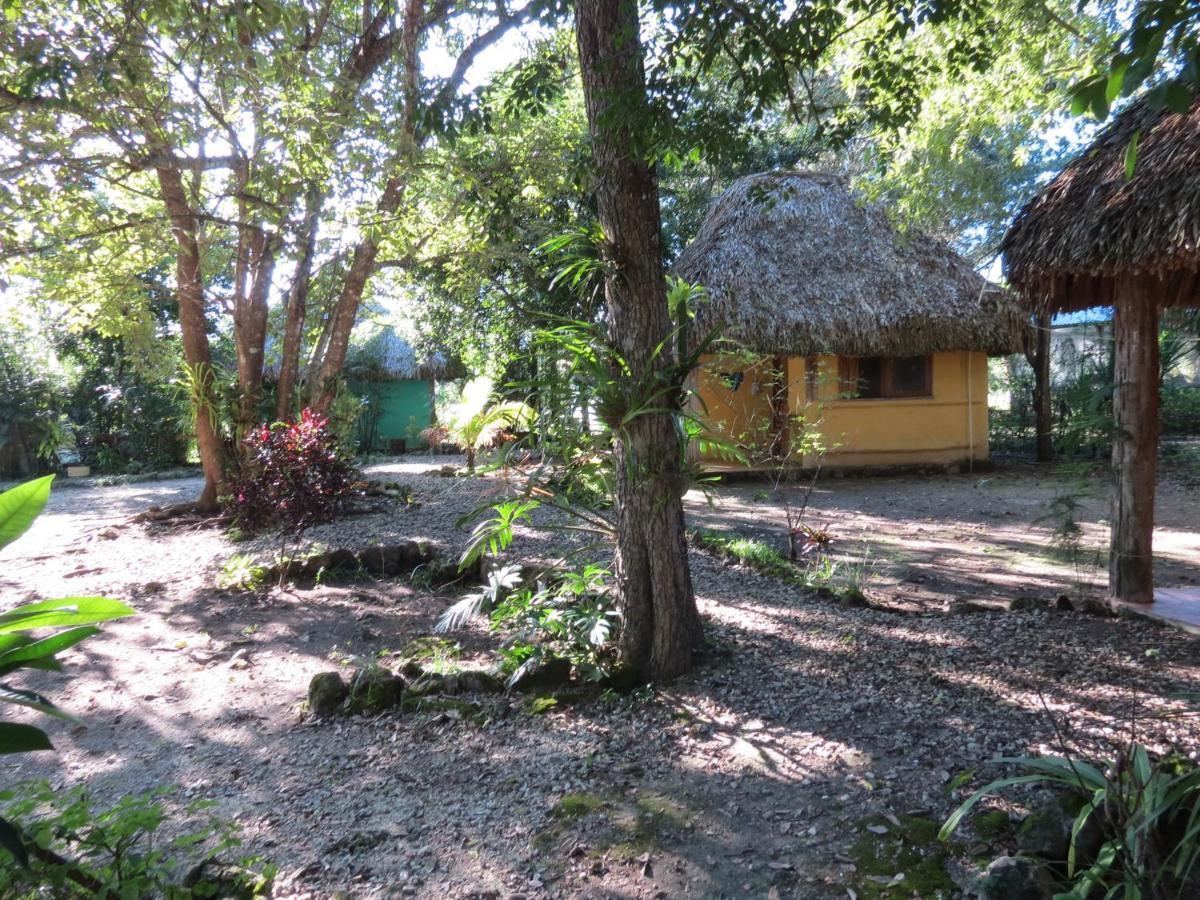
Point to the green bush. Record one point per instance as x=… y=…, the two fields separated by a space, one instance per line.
x=1180 y=410
x=78 y=848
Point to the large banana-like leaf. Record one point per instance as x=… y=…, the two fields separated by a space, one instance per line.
x=35 y=654
x=64 y=612
x=19 y=506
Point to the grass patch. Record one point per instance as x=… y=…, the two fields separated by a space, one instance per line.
x=438 y=654
x=912 y=850
x=623 y=832
x=575 y=806
x=754 y=554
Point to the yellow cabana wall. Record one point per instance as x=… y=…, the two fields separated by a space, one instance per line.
x=946 y=428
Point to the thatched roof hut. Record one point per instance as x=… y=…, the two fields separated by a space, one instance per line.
x=795 y=265
x=1093 y=223
x=1100 y=235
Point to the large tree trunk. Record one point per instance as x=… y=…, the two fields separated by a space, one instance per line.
x=193 y=329
x=1135 y=440
x=1043 y=417
x=661 y=626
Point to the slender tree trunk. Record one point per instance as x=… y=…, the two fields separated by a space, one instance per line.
x=341 y=324
x=1135 y=440
x=250 y=329
x=1040 y=359
x=661 y=626
x=193 y=328
x=296 y=308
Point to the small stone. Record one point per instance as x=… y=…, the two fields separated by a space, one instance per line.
x=1015 y=878
x=476 y=681
x=552 y=673
x=967 y=607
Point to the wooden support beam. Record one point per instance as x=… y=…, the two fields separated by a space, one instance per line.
x=1135 y=439
x=1040 y=358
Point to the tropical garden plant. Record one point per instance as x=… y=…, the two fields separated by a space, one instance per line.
x=32 y=636
x=480 y=417
x=1145 y=807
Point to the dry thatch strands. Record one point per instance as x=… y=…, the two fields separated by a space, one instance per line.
x=794 y=265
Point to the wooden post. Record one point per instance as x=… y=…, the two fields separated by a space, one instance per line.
x=1135 y=440
x=1041 y=388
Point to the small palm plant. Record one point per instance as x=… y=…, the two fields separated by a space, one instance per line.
x=480 y=416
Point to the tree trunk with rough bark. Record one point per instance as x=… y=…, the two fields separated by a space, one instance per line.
x=1135 y=440
x=661 y=626
x=193 y=328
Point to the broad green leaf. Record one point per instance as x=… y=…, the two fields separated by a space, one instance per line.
x=1116 y=80
x=67 y=611
x=18 y=738
x=19 y=506
x=43 y=651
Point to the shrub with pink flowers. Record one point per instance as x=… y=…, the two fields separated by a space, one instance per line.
x=292 y=475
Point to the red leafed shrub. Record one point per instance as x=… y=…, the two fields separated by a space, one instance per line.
x=292 y=475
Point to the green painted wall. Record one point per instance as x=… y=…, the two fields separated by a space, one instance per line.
x=396 y=403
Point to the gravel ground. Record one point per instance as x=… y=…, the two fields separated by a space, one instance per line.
x=751 y=778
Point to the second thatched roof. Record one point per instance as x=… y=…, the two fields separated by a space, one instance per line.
x=1093 y=222
x=794 y=265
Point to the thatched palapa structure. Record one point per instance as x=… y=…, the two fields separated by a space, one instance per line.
x=887 y=333
x=1095 y=236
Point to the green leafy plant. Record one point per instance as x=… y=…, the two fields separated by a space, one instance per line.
x=78 y=848
x=565 y=615
x=1067 y=536
x=1148 y=810
x=242 y=571
x=32 y=635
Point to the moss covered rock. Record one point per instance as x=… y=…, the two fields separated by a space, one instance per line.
x=326 y=693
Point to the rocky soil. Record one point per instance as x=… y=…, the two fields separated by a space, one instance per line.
x=809 y=757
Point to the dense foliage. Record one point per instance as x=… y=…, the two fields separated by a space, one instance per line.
x=293 y=475
x=1140 y=811
x=82 y=849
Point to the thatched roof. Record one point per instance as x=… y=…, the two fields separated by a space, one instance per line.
x=794 y=265
x=1092 y=223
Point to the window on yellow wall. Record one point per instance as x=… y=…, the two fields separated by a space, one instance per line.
x=885 y=377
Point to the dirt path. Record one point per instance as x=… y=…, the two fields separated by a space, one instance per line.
x=752 y=778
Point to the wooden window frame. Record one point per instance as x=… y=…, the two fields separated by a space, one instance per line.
x=848 y=377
